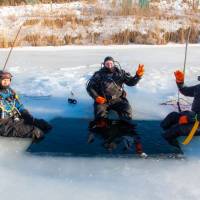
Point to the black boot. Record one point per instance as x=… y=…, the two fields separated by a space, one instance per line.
x=174 y=143
x=37 y=134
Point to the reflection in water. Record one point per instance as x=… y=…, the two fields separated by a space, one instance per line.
x=114 y=133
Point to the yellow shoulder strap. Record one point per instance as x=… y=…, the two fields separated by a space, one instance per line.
x=192 y=132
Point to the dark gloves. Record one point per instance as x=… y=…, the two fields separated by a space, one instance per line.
x=42 y=124
x=28 y=118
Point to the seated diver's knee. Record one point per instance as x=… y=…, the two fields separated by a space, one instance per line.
x=126 y=116
x=170 y=134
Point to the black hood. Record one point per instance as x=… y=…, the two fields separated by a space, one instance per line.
x=108 y=58
x=198 y=78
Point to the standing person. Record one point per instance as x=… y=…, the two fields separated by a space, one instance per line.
x=15 y=120
x=106 y=88
x=180 y=124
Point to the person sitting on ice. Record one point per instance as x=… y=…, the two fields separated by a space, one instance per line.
x=15 y=120
x=180 y=123
x=106 y=88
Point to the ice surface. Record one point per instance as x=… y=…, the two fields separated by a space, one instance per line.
x=57 y=71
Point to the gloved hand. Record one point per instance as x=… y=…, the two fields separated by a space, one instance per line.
x=179 y=76
x=140 y=70
x=42 y=124
x=183 y=119
x=100 y=100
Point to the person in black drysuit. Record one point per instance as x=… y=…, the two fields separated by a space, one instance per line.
x=15 y=120
x=106 y=88
x=180 y=123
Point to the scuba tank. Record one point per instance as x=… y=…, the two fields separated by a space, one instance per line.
x=2 y=113
x=8 y=105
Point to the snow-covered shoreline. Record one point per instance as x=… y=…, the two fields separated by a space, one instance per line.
x=93 y=47
x=82 y=23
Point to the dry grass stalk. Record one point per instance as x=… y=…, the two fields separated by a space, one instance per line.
x=57 y=23
x=33 y=39
x=52 y=40
x=31 y=22
x=72 y=40
x=48 y=40
x=155 y=37
x=94 y=37
x=3 y=41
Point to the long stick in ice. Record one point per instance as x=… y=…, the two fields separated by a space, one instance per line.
x=12 y=47
x=184 y=66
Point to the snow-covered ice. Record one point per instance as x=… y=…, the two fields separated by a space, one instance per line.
x=55 y=71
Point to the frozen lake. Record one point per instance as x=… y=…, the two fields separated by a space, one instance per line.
x=53 y=73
